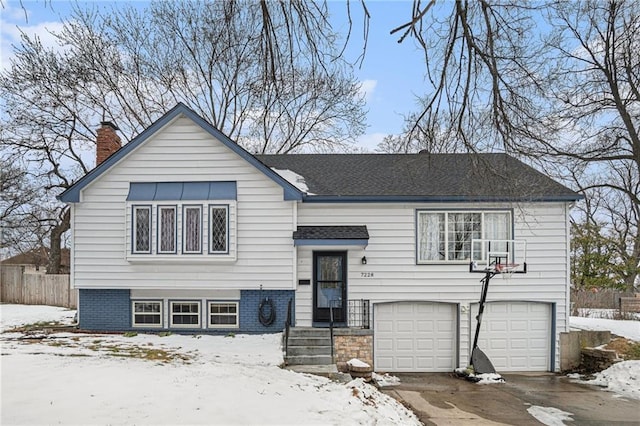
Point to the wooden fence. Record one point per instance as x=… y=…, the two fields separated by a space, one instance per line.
x=32 y=288
x=598 y=299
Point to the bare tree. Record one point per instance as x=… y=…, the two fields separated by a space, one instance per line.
x=131 y=66
x=556 y=82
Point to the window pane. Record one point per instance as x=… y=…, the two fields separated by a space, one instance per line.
x=150 y=319
x=462 y=228
x=223 y=314
x=497 y=227
x=185 y=313
x=168 y=229
x=431 y=232
x=142 y=229
x=147 y=307
x=192 y=230
x=147 y=313
x=218 y=220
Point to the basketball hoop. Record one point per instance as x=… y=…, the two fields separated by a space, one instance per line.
x=506 y=270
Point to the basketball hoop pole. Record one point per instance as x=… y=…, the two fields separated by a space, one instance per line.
x=480 y=361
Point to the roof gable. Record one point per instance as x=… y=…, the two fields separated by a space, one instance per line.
x=72 y=194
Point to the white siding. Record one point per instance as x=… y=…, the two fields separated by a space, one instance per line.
x=391 y=258
x=261 y=221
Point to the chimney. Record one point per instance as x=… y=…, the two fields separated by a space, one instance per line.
x=107 y=141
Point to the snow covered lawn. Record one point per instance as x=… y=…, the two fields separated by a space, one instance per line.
x=70 y=378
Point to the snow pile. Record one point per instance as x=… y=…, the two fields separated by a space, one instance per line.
x=483 y=378
x=550 y=416
x=355 y=362
x=385 y=379
x=72 y=378
x=488 y=378
x=622 y=378
x=379 y=404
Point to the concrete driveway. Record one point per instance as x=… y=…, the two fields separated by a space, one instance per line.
x=444 y=399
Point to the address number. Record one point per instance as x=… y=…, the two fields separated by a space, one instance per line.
x=366 y=274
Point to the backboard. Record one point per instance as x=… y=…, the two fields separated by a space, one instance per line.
x=499 y=256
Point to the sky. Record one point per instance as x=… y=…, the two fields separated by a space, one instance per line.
x=391 y=73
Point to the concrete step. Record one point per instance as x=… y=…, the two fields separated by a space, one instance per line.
x=309 y=341
x=329 y=371
x=309 y=360
x=309 y=350
x=309 y=332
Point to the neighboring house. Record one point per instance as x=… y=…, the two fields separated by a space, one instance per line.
x=37 y=260
x=181 y=229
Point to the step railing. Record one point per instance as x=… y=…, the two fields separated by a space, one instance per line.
x=287 y=327
x=359 y=313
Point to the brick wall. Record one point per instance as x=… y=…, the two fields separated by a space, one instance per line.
x=348 y=346
x=107 y=141
x=110 y=310
x=249 y=305
x=104 y=310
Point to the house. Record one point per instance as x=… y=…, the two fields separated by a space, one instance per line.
x=183 y=230
x=37 y=260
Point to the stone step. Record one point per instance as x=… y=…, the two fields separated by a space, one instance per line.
x=309 y=350
x=309 y=360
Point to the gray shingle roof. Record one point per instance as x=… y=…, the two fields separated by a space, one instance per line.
x=331 y=233
x=429 y=177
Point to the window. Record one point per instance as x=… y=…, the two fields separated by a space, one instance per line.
x=141 y=229
x=192 y=229
x=223 y=315
x=185 y=314
x=218 y=229
x=446 y=236
x=167 y=229
x=171 y=231
x=147 y=314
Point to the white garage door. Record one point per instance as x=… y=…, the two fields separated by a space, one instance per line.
x=516 y=336
x=414 y=336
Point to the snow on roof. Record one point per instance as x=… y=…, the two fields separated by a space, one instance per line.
x=293 y=178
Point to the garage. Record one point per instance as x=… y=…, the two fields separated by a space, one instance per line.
x=516 y=336
x=415 y=336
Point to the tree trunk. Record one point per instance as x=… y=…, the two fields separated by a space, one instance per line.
x=55 y=257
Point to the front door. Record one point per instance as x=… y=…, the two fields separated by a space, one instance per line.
x=329 y=286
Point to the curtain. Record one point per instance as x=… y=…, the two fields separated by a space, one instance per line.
x=431 y=236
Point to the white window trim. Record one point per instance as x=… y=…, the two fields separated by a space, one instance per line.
x=134 y=227
x=224 y=207
x=171 y=314
x=134 y=313
x=221 y=302
x=186 y=207
x=159 y=209
x=446 y=232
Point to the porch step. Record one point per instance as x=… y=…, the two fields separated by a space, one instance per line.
x=309 y=360
x=309 y=346
x=309 y=341
x=295 y=350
